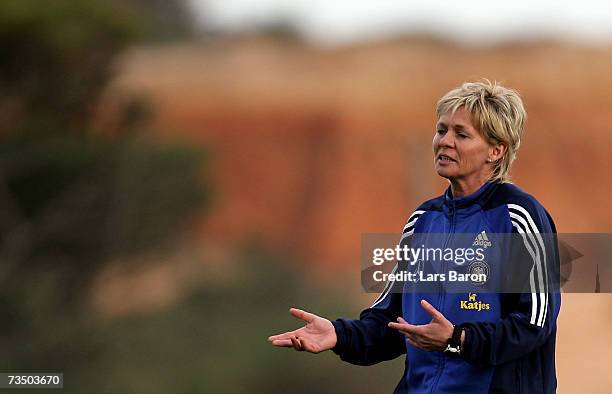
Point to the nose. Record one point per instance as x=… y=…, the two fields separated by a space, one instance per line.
x=446 y=140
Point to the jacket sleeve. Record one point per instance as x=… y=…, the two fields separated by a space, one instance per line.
x=530 y=317
x=368 y=340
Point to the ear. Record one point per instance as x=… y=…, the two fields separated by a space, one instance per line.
x=496 y=152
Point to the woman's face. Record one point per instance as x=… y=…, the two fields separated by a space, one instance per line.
x=460 y=151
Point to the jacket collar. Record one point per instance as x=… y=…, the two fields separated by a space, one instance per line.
x=478 y=197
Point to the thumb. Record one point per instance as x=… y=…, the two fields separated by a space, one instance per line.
x=300 y=314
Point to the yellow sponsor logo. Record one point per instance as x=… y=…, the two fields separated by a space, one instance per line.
x=472 y=304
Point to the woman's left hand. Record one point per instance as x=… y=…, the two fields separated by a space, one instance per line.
x=431 y=337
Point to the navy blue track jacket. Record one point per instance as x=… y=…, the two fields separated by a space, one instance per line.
x=509 y=344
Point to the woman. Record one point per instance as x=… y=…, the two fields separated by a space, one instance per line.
x=507 y=342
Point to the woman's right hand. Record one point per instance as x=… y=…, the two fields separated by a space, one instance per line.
x=316 y=336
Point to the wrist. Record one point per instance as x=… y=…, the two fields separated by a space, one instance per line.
x=454 y=344
x=339 y=337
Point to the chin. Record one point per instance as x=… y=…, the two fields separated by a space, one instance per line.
x=444 y=173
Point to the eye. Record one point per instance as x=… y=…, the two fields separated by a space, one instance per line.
x=441 y=131
x=462 y=135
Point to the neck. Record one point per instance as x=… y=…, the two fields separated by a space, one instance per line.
x=463 y=187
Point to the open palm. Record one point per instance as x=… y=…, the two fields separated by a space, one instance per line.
x=316 y=336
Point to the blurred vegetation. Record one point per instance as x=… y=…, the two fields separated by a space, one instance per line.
x=57 y=57
x=163 y=20
x=281 y=30
x=71 y=202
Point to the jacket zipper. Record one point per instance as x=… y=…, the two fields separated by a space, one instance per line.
x=443 y=294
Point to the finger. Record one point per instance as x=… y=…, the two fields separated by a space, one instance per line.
x=296 y=344
x=417 y=341
x=282 y=342
x=284 y=335
x=413 y=342
x=300 y=314
x=405 y=327
x=305 y=344
x=433 y=312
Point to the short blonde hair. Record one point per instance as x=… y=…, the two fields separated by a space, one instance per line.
x=497 y=113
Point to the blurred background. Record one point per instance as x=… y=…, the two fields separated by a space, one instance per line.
x=175 y=175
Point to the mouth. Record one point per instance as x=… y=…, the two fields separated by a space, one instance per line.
x=444 y=158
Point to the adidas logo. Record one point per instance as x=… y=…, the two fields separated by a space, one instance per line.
x=482 y=240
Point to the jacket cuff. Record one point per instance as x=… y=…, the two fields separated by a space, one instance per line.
x=467 y=349
x=341 y=340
